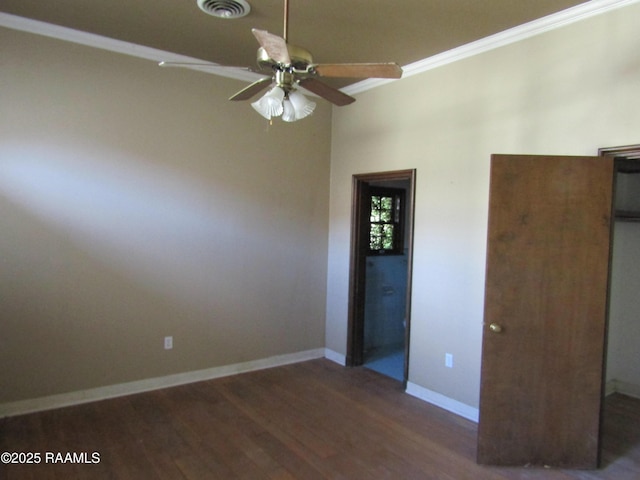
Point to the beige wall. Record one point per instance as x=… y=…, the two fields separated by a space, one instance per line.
x=137 y=202
x=568 y=91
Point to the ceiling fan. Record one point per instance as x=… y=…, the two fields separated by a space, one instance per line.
x=290 y=67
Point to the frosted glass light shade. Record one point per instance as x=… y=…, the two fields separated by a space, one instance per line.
x=288 y=113
x=301 y=105
x=270 y=105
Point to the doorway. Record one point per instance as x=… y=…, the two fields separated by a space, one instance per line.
x=380 y=272
x=622 y=372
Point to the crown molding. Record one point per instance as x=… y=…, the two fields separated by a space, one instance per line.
x=512 y=35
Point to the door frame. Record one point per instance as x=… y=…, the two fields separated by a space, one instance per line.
x=357 y=262
x=621 y=155
x=631 y=152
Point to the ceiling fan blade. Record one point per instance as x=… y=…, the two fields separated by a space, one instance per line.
x=211 y=68
x=331 y=94
x=186 y=64
x=274 y=45
x=251 y=90
x=201 y=65
x=359 y=70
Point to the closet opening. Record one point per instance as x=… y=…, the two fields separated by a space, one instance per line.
x=622 y=373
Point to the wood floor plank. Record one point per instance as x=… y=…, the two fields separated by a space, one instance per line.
x=312 y=420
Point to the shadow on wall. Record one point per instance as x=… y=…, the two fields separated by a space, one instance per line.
x=162 y=229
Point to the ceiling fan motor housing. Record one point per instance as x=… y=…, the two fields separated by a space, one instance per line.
x=300 y=58
x=285 y=80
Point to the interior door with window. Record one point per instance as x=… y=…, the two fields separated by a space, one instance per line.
x=545 y=310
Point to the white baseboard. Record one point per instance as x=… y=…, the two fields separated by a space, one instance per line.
x=439 y=400
x=101 y=393
x=335 y=357
x=625 y=388
x=459 y=408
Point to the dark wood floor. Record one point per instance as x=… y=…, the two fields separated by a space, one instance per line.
x=311 y=420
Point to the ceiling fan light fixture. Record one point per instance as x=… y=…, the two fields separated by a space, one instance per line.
x=228 y=9
x=292 y=105
x=291 y=67
x=270 y=105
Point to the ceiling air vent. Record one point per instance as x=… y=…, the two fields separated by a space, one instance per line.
x=225 y=8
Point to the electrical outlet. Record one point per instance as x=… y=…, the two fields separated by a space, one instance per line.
x=448 y=360
x=168 y=343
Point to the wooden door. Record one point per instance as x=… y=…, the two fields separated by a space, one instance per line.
x=545 y=310
x=357 y=274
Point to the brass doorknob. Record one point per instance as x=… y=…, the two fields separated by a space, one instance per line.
x=495 y=328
